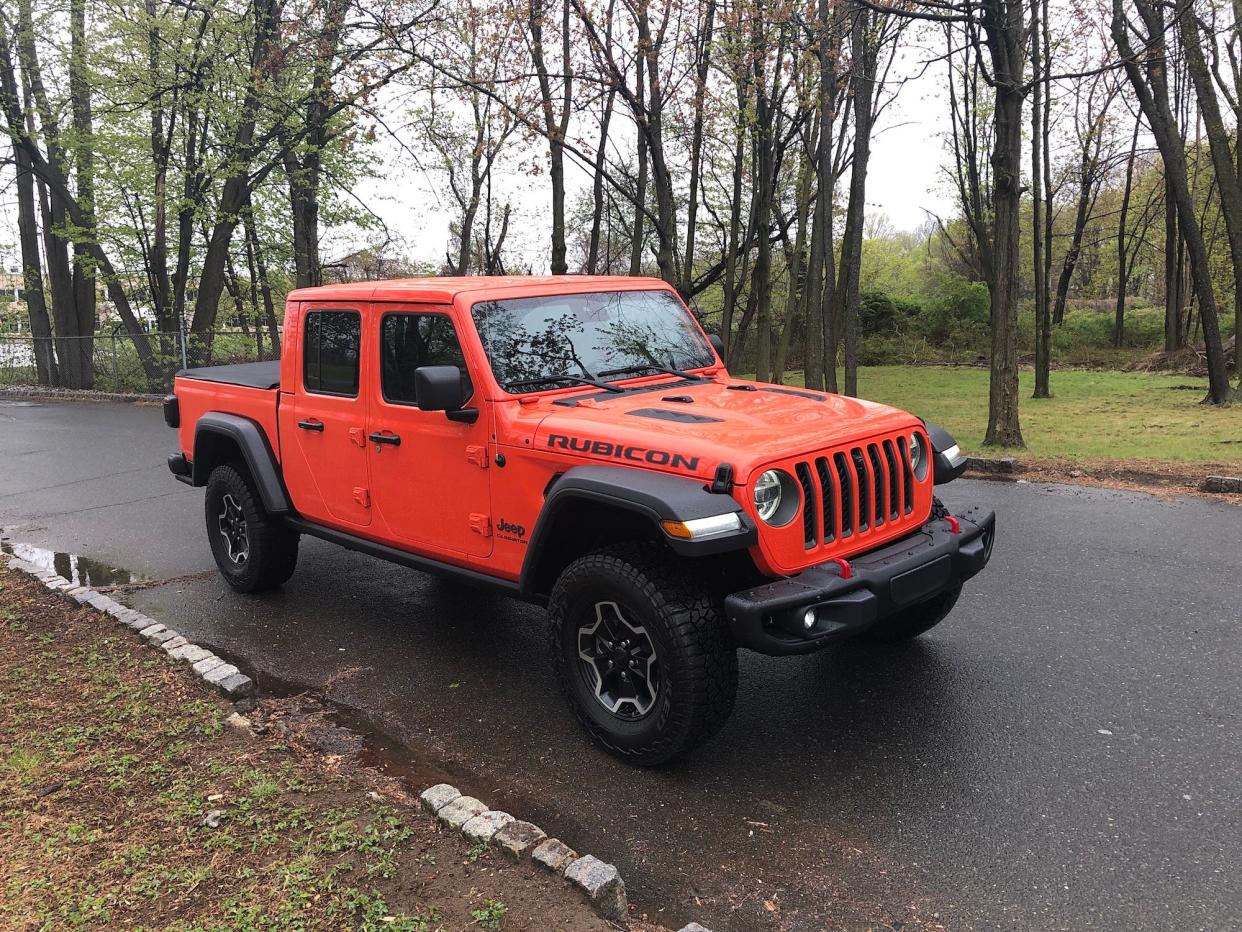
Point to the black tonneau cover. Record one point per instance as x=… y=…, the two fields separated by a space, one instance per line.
x=250 y=374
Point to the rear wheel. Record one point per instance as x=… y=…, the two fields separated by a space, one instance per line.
x=253 y=550
x=642 y=653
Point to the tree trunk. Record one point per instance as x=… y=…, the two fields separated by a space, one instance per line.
x=865 y=58
x=763 y=145
x=733 y=241
x=1123 y=268
x=238 y=184
x=1003 y=427
x=72 y=362
x=1081 y=215
x=27 y=226
x=1228 y=182
x=821 y=351
x=796 y=261
x=1172 y=271
x=1150 y=87
x=597 y=185
x=84 y=156
x=1043 y=335
x=640 y=188
x=555 y=126
x=702 y=64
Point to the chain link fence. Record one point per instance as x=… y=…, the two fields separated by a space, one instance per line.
x=116 y=361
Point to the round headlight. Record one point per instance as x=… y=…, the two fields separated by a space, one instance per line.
x=768 y=495
x=918 y=456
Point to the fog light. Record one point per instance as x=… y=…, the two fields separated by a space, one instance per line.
x=808 y=619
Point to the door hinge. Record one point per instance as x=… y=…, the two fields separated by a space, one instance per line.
x=477 y=455
x=358 y=436
x=481 y=524
x=362 y=496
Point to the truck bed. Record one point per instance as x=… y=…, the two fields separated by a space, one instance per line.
x=249 y=390
x=264 y=375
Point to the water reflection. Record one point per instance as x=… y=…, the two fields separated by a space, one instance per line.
x=81 y=571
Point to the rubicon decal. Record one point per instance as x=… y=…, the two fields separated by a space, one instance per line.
x=621 y=451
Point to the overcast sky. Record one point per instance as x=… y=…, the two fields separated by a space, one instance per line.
x=904 y=180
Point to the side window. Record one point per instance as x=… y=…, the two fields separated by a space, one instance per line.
x=330 y=352
x=408 y=341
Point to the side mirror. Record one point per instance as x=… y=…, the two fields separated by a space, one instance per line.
x=717 y=345
x=443 y=388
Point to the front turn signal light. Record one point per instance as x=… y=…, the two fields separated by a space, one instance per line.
x=698 y=528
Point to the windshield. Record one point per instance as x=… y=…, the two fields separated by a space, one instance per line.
x=540 y=341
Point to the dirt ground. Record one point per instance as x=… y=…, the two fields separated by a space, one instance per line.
x=127 y=801
x=1157 y=477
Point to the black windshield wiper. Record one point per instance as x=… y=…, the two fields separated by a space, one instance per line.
x=653 y=367
x=578 y=379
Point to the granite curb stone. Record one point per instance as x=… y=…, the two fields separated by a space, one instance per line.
x=460 y=811
x=482 y=827
x=602 y=885
x=517 y=839
x=211 y=669
x=435 y=798
x=553 y=854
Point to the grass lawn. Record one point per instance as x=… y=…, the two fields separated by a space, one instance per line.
x=127 y=802
x=1092 y=416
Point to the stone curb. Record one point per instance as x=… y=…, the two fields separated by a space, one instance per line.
x=1226 y=484
x=992 y=466
x=599 y=883
x=212 y=670
x=64 y=394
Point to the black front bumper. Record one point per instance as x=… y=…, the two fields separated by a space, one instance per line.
x=770 y=618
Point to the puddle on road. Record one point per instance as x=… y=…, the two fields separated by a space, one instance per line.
x=81 y=571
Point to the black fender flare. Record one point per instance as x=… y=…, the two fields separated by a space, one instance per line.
x=256 y=450
x=948 y=461
x=655 y=496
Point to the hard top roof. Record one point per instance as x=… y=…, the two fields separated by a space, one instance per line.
x=444 y=290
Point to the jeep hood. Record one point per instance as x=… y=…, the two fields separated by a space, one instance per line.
x=703 y=424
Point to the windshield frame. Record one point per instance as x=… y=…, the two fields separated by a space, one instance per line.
x=589 y=288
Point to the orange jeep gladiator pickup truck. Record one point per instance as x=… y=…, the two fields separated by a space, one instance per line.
x=577 y=442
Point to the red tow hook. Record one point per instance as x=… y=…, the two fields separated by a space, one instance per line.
x=954 y=525
x=843 y=566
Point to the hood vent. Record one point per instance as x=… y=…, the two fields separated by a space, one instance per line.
x=683 y=417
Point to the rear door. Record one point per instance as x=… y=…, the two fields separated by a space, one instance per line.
x=322 y=425
x=429 y=475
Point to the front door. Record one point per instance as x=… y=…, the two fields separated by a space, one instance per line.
x=429 y=475
x=322 y=423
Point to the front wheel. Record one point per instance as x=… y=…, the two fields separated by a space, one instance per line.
x=912 y=621
x=642 y=653
x=253 y=550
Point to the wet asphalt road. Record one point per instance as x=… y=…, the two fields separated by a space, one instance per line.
x=1064 y=752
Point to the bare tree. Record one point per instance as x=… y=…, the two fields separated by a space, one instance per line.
x=1148 y=76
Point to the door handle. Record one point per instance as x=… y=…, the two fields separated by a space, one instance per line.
x=316 y=426
x=385 y=438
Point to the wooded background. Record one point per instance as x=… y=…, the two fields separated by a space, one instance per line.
x=176 y=164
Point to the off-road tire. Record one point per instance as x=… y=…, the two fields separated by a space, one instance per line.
x=271 y=551
x=684 y=620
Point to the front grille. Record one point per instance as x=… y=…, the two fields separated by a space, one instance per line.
x=856 y=491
